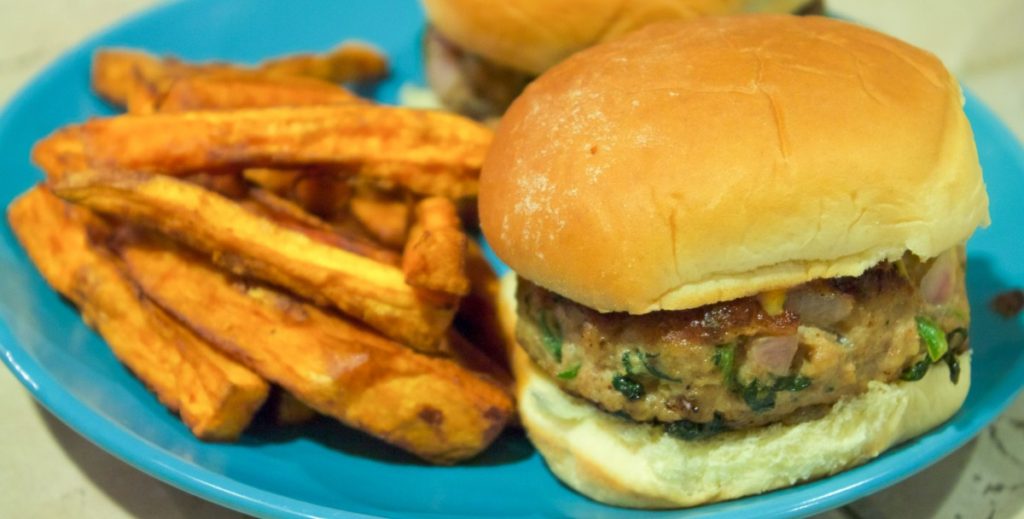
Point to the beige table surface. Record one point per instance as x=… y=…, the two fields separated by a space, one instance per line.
x=47 y=470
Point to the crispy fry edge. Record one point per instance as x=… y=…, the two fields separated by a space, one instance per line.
x=429 y=406
x=214 y=396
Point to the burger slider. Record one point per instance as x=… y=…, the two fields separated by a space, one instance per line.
x=479 y=55
x=739 y=244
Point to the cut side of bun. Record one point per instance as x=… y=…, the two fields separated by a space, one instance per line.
x=695 y=162
x=624 y=463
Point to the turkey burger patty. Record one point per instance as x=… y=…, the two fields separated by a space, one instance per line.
x=780 y=356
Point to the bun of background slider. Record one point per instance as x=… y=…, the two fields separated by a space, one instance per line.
x=625 y=463
x=695 y=162
x=532 y=35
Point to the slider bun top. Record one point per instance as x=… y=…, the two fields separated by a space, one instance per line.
x=532 y=35
x=695 y=162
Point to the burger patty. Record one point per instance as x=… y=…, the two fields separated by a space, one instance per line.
x=815 y=7
x=779 y=356
x=467 y=82
x=480 y=88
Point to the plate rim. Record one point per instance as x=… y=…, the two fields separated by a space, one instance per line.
x=157 y=462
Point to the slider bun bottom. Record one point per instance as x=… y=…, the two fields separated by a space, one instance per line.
x=624 y=463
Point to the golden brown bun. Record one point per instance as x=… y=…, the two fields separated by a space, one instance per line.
x=624 y=463
x=532 y=35
x=689 y=163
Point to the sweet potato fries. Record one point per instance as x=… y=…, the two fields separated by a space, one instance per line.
x=214 y=395
x=430 y=153
x=244 y=226
x=428 y=405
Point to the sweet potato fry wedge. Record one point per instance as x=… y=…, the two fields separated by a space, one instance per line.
x=231 y=91
x=386 y=218
x=277 y=181
x=59 y=153
x=290 y=215
x=373 y=292
x=282 y=209
x=215 y=396
x=120 y=74
x=324 y=194
x=230 y=186
x=435 y=255
x=429 y=406
x=349 y=62
x=431 y=153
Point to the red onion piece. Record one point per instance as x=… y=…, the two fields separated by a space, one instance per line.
x=937 y=284
x=772 y=354
x=442 y=65
x=819 y=306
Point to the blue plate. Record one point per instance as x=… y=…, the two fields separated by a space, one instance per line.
x=324 y=469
